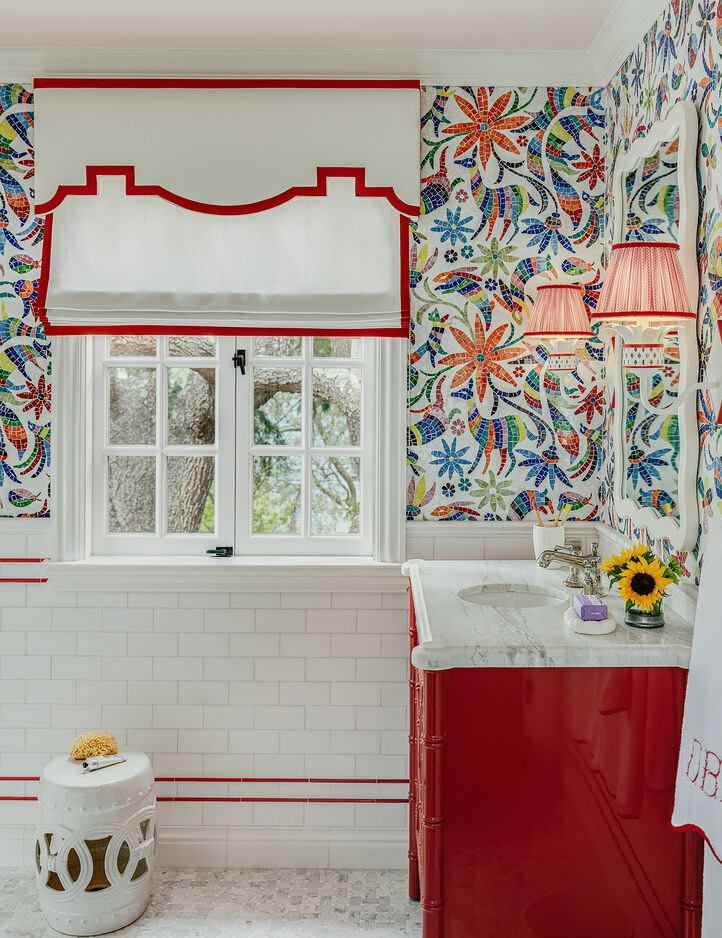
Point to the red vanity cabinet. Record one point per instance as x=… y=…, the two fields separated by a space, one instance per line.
x=540 y=803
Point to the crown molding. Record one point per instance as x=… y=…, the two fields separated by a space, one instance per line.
x=624 y=28
x=430 y=66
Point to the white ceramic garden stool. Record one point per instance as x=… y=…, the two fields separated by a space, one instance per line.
x=95 y=843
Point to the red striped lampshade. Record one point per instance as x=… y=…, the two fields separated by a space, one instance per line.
x=559 y=313
x=644 y=281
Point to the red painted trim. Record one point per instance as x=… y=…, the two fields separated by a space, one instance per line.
x=8 y=579
x=18 y=798
x=561 y=286
x=646 y=244
x=698 y=830
x=412 y=84
x=323 y=173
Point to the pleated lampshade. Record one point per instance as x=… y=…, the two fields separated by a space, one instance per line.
x=559 y=313
x=644 y=284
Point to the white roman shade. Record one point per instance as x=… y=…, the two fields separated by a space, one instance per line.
x=226 y=206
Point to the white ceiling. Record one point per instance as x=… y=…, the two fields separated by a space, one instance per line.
x=438 y=41
x=312 y=24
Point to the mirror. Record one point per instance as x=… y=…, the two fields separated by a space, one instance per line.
x=655 y=423
x=651 y=196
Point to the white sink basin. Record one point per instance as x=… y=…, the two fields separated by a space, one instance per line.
x=513 y=595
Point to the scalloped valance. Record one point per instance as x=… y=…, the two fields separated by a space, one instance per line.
x=236 y=206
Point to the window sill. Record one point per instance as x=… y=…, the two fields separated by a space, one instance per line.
x=233 y=574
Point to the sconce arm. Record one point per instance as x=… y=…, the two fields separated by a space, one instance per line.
x=644 y=385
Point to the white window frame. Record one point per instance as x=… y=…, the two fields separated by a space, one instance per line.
x=161 y=543
x=248 y=543
x=74 y=564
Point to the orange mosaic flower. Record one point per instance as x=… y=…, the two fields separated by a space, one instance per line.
x=486 y=124
x=481 y=357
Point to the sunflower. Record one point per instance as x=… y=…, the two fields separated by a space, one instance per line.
x=643 y=582
x=621 y=560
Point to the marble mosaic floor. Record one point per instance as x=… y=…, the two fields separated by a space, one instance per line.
x=243 y=904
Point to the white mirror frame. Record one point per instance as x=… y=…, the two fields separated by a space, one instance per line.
x=681 y=532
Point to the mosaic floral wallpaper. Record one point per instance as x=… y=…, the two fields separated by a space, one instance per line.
x=679 y=59
x=24 y=363
x=512 y=187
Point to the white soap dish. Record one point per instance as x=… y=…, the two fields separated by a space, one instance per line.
x=591 y=626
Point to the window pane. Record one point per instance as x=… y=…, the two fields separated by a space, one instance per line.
x=277 y=406
x=131 y=418
x=191 y=508
x=276 y=495
x=337 y=347
x=131 y=494
x=336 y=407
x=191 y=346
x=270 y=346
x=335 y=494
x=191 y=406
x=121 y=345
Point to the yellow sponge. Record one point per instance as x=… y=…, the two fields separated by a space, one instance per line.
x=93 y=744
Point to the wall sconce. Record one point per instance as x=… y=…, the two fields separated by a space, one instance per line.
x=559 y=322
x=643 y=299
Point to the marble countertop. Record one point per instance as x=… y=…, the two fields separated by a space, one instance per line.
x=454 y=633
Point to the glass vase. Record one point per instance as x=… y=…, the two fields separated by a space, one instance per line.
x=638 y=618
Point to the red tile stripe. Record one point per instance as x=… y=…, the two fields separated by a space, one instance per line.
x=23 y=579
x=240 y=799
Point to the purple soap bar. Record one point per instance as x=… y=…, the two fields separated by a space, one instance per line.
x=589 y=607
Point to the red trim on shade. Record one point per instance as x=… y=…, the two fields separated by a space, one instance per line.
x=18 y=798
x=645 y=313
x=643 y=345
x=23 y=580
x=323 y=173
x=646 y=244
x=402 y=331
x=560 y=286
x=409 y=83
x=563 y=335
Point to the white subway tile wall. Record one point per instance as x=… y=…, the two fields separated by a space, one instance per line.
x=264 y=685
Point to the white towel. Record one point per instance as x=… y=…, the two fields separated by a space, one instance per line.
x=698 y=792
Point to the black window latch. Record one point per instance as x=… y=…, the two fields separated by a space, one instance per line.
x=239 y=360
x=221 y=551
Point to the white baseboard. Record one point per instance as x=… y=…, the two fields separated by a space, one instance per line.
x=252 y=847
x=283 y=847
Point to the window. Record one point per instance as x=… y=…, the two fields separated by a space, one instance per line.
x=190 y=452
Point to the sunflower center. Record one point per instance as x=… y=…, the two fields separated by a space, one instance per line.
x=480 y=357
x=483 y=127
x=643 y=584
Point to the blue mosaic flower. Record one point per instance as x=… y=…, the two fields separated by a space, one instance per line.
x=543 y=466
x=465 y=485
x=450 y=460
x=547 y=234
x=449 y=489
x=453 y=229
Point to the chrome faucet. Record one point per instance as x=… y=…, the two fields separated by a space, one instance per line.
x=586 y=564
